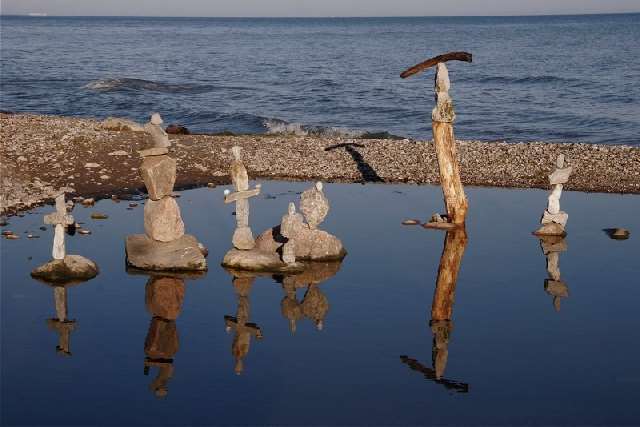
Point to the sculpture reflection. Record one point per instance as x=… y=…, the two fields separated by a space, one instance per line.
x=243 y=329
x=163 y=298
x=442 y=311
x=551 y=247
x=314 y=304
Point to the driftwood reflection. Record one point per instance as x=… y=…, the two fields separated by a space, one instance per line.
x=441 y=323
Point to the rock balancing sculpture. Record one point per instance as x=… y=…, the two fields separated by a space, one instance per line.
x=63 y=268
x=164 y=246
x=553 y=219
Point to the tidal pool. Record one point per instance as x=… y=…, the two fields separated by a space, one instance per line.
x=366 y=348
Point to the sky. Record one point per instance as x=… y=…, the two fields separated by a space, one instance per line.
x=286 y=8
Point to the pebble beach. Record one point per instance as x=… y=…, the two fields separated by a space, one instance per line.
x=39 y=155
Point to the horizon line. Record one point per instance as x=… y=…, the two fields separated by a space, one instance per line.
x=47 y=15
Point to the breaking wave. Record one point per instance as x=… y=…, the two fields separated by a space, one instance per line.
x=120 y=84
x=281 y=127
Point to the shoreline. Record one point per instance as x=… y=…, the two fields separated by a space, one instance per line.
x=40 y=154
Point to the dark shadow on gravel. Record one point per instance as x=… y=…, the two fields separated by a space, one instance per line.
x=367 y=172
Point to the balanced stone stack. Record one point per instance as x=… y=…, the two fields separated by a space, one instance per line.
x=554 y=220
x=63 y=269
x=164 y=246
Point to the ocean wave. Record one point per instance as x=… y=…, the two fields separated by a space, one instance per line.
x=119 y=84
x=525 y=80
x=281 y=127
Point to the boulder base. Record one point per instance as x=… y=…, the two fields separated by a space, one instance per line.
x=73 y=268
x=258 y=260
x=310 y=245
x=182 y=254
x=550 y=229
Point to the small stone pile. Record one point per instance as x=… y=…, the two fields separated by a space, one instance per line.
x=63 y=268
x=553 y=219
x=164 y=246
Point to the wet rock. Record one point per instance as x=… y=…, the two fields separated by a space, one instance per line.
x=410 y=222
x=310 y=245
x=182 y=254
x=550 y=229
x=84 y=231
x=258 y=260
x=91 y=165
x=162 y=220
x=117 y=124
x=164 y=297
x=11 y=236
x=174 y=129
x=618 y=233
x=98 y=215
x=159 y=175
x=70 y=269
x=88 y=202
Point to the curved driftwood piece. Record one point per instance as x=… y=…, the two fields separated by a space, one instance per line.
x=451 y=56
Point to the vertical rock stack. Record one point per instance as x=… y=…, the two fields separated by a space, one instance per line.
x=553 y=219
x=164 y=246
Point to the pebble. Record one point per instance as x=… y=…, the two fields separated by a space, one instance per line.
x=410 y=222
x=33 y=236
x=133 y=205
x=211 y=185
x=88 y=202
x=98 y=215
x=91 y=165
x=84 y=231
x=619 y=234
x=43 y=228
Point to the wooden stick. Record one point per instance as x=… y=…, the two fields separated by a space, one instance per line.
x=454 y=198
x=451 y=56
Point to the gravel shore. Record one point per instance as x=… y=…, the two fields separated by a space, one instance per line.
x=41 y=154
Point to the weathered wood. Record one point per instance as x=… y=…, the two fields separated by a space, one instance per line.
x=454 y=198
x=451 y=56
x=241 y=195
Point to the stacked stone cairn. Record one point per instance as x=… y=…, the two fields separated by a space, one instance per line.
x=553 y=219
x=552 y=247
x=164 y=246
x=63 y=268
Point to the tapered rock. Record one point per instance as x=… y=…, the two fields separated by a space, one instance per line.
x=159 y=175
x=162 y=220
x=314 y=205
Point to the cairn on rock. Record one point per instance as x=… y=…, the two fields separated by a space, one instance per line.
x=245 y=255
x=63 y=269
x=244 y=330
x=164 y=246
x=163 y=298
x=553 y=219
x=310 y=243
x=552 y=246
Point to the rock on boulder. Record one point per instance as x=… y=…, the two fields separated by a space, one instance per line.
x=310 y=245
x=182 y=254
x=73 y=268
x=159 y=176
x=162 y=220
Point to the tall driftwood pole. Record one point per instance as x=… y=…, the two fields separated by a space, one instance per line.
x=442 y=118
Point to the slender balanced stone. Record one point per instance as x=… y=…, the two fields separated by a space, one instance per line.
x=314 y=205
x=553 y=219
x=159 y=175
x=290 y=224
x=162 y=220
x=159 y=138
x=59 y=218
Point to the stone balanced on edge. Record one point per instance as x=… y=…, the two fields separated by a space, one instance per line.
x=553 y=219
x=63 y=268
x=164 y=246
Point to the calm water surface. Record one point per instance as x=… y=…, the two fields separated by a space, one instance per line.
x=563 y=78
x=512 y=358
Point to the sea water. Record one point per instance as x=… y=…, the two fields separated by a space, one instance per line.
x=562 y=78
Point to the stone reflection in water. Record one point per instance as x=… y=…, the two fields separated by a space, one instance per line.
x=243 y=329
x=163 y=298
x=552 y=246
x=314 y=304
x=442 y=312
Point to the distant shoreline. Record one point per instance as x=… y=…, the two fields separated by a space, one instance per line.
x=40 y=154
